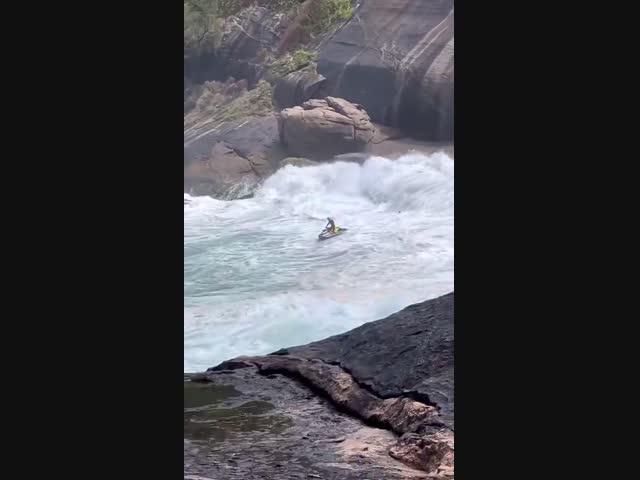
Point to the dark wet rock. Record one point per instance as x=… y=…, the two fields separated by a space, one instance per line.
x=198 y=377
x=395 y=373
x=409 y=353
x=282 y=351
x=235 y=364
x=399 y=414
x=229 y=434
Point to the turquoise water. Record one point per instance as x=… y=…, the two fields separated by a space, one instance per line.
x=257 y=279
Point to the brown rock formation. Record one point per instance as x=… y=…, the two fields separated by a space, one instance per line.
x=321 y=129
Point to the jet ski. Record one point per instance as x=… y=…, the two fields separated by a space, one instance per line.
x=326 y=234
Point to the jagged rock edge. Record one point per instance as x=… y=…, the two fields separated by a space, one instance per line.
x=411 y=394
x=286 y=365
x=288 y=369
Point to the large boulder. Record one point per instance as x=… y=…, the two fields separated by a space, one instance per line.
x=396 y=58
x=321 y=129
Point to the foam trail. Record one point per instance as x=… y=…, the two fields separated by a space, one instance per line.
x=257 y=279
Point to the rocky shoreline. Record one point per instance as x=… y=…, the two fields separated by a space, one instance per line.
x=375 y=402
x=270 y=83
x=250 y=63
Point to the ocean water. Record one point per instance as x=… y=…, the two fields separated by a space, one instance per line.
x=256 y=277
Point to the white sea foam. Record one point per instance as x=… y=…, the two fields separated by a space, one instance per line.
x=257 y=279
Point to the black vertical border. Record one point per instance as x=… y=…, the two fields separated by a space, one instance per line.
x=539 y=137
x=94 y=266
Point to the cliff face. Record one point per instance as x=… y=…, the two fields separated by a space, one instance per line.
x=396 y=58
x=252 y=58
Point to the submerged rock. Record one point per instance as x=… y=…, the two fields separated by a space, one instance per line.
x=298 y=162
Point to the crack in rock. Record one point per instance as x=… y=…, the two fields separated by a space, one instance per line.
x=425 y=441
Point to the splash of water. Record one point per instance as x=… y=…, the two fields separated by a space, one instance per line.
x=257 y=279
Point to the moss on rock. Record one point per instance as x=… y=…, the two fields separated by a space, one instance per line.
x=291 y=62
x=324 y=14
x=255 y=102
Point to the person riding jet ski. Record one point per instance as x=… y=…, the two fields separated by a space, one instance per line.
x=331 y=226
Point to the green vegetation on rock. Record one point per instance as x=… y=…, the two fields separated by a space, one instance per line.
x=255 y=102
x=326 y=13
x=281 y=6
x=202 y=24
x=292 y=62
x=217 y=8
x=204 y=19
x=207 y=24
x=227 y=8
x=216 y=102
